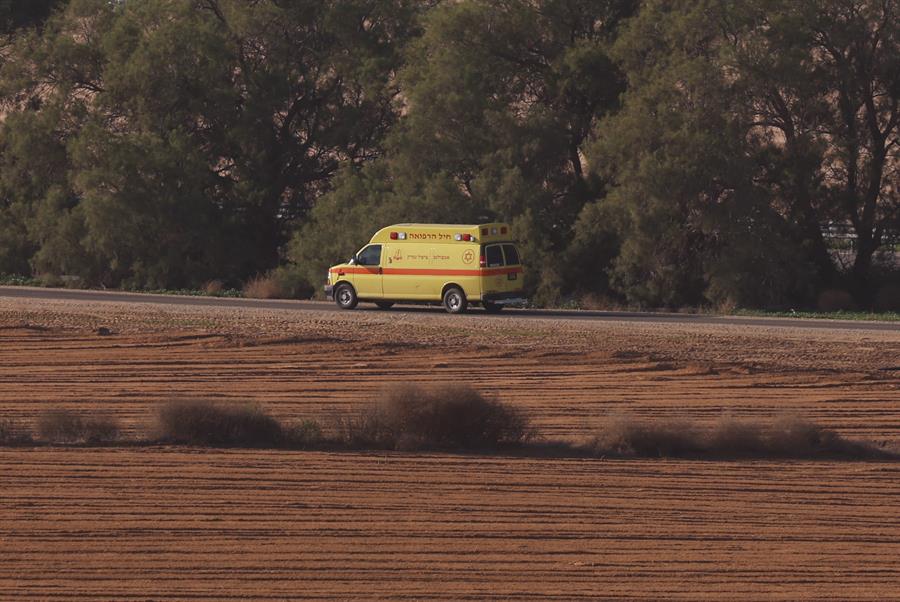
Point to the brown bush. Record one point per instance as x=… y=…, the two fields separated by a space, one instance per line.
x=629 y=437
x=598 y=302
x=203 y=422
x=835 y=300
x=729 y=438
x=441 y=417
x=263 y=287
x=302 y=435
x=13 y=434
x=280 y=283
x=63 y=426
x=213 y=287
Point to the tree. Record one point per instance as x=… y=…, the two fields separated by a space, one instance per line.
x=500 y=99
x=823 y=79
x=741 y=137
x=208 y=127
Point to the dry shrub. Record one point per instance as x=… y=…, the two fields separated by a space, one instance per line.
x=13 y=434
x=729 y=438
x=213 y=287
x=302 y=435
x=835 y=300
x=203 y=422
x=599 y=302
x=50 y=280
x=445 y=417
x=63 y=426
x=726 y=306
x=264 y=287
x=628 y=437
x=280 y=283
x=794 y=437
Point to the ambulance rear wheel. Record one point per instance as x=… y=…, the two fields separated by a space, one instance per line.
x=384 y=304
x=492 y=308
x=345 y=296
x=455 y=300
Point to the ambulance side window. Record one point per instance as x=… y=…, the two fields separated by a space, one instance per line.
x=493 y=256
x=371 y=255
x=512 y=254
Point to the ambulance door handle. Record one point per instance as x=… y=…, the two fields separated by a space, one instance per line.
x=380 y=270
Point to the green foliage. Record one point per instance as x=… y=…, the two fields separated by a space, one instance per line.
x=725 y=157
x=180 y=141
x=500 y=98
x=655 y=153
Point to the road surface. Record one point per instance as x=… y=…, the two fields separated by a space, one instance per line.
x=290 y=305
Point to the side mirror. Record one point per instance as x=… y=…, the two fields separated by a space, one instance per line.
x=353 y=260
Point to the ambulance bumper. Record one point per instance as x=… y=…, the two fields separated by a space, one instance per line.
x=329 y=292
x=504 y=298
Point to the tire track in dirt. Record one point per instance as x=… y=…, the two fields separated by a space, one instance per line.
x=567 y=394
x=181 y=523
x=173 y=524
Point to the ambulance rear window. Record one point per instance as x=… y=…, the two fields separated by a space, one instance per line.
x=512 y=254
x=493 y=255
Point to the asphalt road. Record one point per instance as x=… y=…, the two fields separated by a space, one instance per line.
x=120 y=297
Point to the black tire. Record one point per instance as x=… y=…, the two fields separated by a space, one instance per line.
x=455 y=301
x=492 y=308
x=345 y=296
x=384 y=304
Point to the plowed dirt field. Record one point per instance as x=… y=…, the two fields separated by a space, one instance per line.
x=177 y=523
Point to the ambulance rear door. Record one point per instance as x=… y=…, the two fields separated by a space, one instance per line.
x=503 y=269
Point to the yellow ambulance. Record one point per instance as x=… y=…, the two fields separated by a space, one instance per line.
x=455 y=265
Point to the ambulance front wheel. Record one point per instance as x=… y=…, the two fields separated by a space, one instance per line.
x=345 y=296
x=455 y=300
